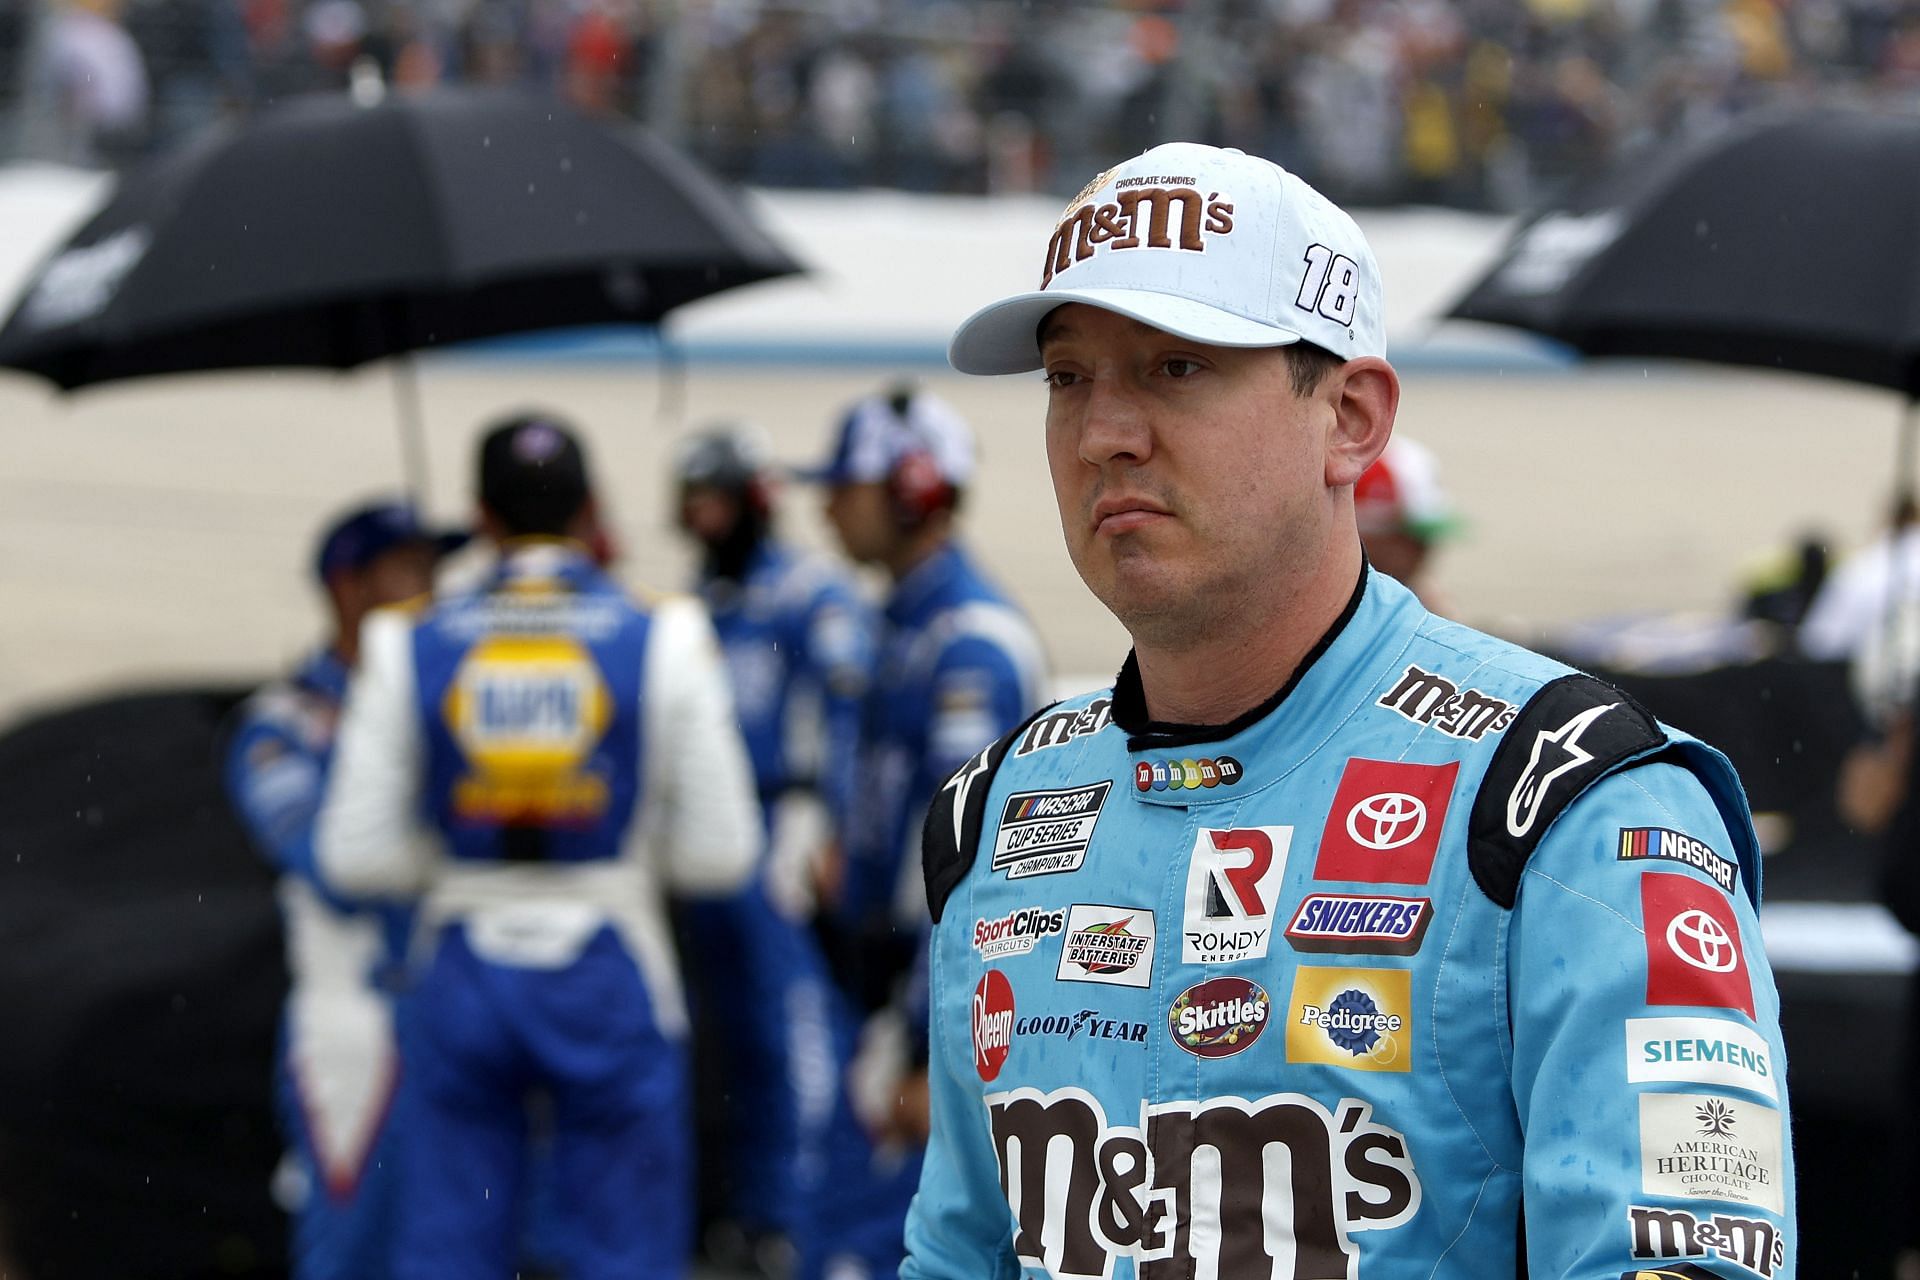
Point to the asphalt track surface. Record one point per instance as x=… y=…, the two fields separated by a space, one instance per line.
x=160 y=531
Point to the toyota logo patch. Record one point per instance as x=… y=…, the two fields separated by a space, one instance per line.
x=1387 y=821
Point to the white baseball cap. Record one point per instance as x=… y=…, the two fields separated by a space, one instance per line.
x=1210 y=244
x=879 y=431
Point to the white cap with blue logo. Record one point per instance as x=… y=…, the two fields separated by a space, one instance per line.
x=879 y=431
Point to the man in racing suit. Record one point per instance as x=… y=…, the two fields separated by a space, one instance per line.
x=958 y=665
x=338 y=1067
x=1346 y=941
x=799 y=645
x=542 y=760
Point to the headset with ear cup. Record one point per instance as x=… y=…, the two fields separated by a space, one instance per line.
x=916 y=486
x=916 y=489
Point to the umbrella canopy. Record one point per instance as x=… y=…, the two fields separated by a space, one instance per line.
x=1788 y=243
x=328 y=234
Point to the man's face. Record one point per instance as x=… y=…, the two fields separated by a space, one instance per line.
x=1190 y=478
x=708 y=512
x=398 y=574
x=395 y=575
x=862 y=515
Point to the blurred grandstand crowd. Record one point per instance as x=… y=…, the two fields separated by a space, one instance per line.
x=1477 y=103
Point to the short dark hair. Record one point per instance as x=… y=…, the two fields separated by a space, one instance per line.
x=533 y=474
x=1309 y=366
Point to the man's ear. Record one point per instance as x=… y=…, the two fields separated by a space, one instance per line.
x=1366 y=394
x=491 y=526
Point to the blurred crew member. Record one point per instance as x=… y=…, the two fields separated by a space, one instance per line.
x=799 y=646
x=1861 y=603
x=958 y=666
x=337 y=1069
x=542 y=759
x=1403 y=513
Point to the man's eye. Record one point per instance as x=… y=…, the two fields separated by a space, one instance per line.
x=1061 y=379
x=1177 y=367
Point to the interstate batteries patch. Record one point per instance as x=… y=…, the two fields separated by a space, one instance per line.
x=1047 y=832
x=1113 y=945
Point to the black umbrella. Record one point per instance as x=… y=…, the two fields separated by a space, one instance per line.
x=328 y=234
x=1789 y=242
x=1792 y=242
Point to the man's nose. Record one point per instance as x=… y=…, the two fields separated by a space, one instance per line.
x=1118 y=426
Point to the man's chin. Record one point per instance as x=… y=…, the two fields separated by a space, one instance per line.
x=1146 y=599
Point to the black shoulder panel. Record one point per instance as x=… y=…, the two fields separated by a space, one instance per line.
x=951 y=836
x=1572 y=733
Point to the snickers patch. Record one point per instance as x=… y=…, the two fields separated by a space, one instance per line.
x=1363 y=924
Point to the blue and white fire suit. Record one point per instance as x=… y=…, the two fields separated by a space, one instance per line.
x=543 y=759
x=1442 y=936
x=958 y=666
x=799 y=645
x=338 y=1067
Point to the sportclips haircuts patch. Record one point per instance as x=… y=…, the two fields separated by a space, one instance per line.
x=1044 y=833
x=1017 y=932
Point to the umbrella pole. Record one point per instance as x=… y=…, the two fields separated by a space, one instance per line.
x=1903 y=456
x=673 y=384
x=1895 y=622
x=413 y=440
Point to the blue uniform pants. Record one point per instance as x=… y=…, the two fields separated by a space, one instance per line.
x=779 y=1071
x=858 y=1229
x=485 y=1037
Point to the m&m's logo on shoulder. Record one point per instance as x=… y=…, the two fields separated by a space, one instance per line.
x=1186 y=775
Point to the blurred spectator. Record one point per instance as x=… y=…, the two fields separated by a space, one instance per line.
x=1880 y=791
x=1867 y=589
x=1783 y=587
x=542 y=761
x=339 y=1066
x=92 y=75
x=1403 y=514
x=1472 y=102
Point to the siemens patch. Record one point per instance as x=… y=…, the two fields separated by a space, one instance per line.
x=1360 y=923
x=1047 y=832
x=1637 y=843
x=1714 y=1051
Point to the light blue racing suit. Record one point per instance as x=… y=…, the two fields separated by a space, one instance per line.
x=958 y=666
x=799 y=645
x=1441 y=937
x=337 y=1071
